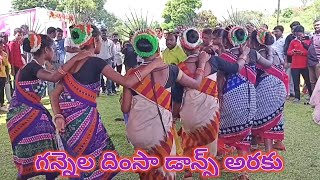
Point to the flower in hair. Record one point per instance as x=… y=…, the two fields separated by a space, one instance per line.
x=261 y=36
x=234 y=39
x=190 y=45
x=81 y=34
x=149 y=36
x=35 y=42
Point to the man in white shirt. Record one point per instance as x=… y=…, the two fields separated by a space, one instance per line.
x=278 y=45
x=161 y=38
x=118 y=58
x=107 y=53
x=70 y=48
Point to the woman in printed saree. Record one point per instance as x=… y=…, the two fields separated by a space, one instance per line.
x=74 y=103
x=29 y=123
x=199 y=108
x=238 y=104
x=268 y=123
x=150 y=126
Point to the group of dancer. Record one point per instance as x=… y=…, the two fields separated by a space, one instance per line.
x=249 y=110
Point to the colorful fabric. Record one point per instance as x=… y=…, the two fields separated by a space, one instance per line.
x=190 y=45
x=202 y=136
x=145 y=89
x=149 y=36
x=85 y=133
x=261 y=36
x=30 y=127
x=232 y=37
x=81 y=34
x=277 y=72
x=162 y=150
x=245 y=73
x=271 y=96
x=208 y=86
x=146 y=130
x=238 y=107
x=35 y=42
x=200 y=115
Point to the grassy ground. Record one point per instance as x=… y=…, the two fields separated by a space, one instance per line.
x=302 y=140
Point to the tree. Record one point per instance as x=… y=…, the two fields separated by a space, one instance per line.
x=81 y=6
x=243 y=17
x=27 y=4
x=287 y=13
x=87 y=7
x=206 y=18
x=180 y=12
x=85 y=10
x=107 y=20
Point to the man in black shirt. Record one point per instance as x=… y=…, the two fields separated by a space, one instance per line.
x=288 y=61
x=130 y=56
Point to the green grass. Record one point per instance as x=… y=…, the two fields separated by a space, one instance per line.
x=302 y=141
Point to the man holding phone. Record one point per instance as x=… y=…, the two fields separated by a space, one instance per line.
x=288 y=58
x=298 y=50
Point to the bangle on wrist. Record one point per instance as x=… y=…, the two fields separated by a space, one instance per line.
x=61 y=71
x=138 y=75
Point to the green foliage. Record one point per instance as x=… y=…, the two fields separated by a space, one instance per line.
x=180 y=12
x=82 y=6
x=287 y=13
x=107 y=20
x=244 y=17
x=305 y=15
x=79 y=6
x=169 y=25
x=27 y=4
x=206 y=18
x=85 y=10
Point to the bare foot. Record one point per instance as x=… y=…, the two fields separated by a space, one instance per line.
x=278 y=145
